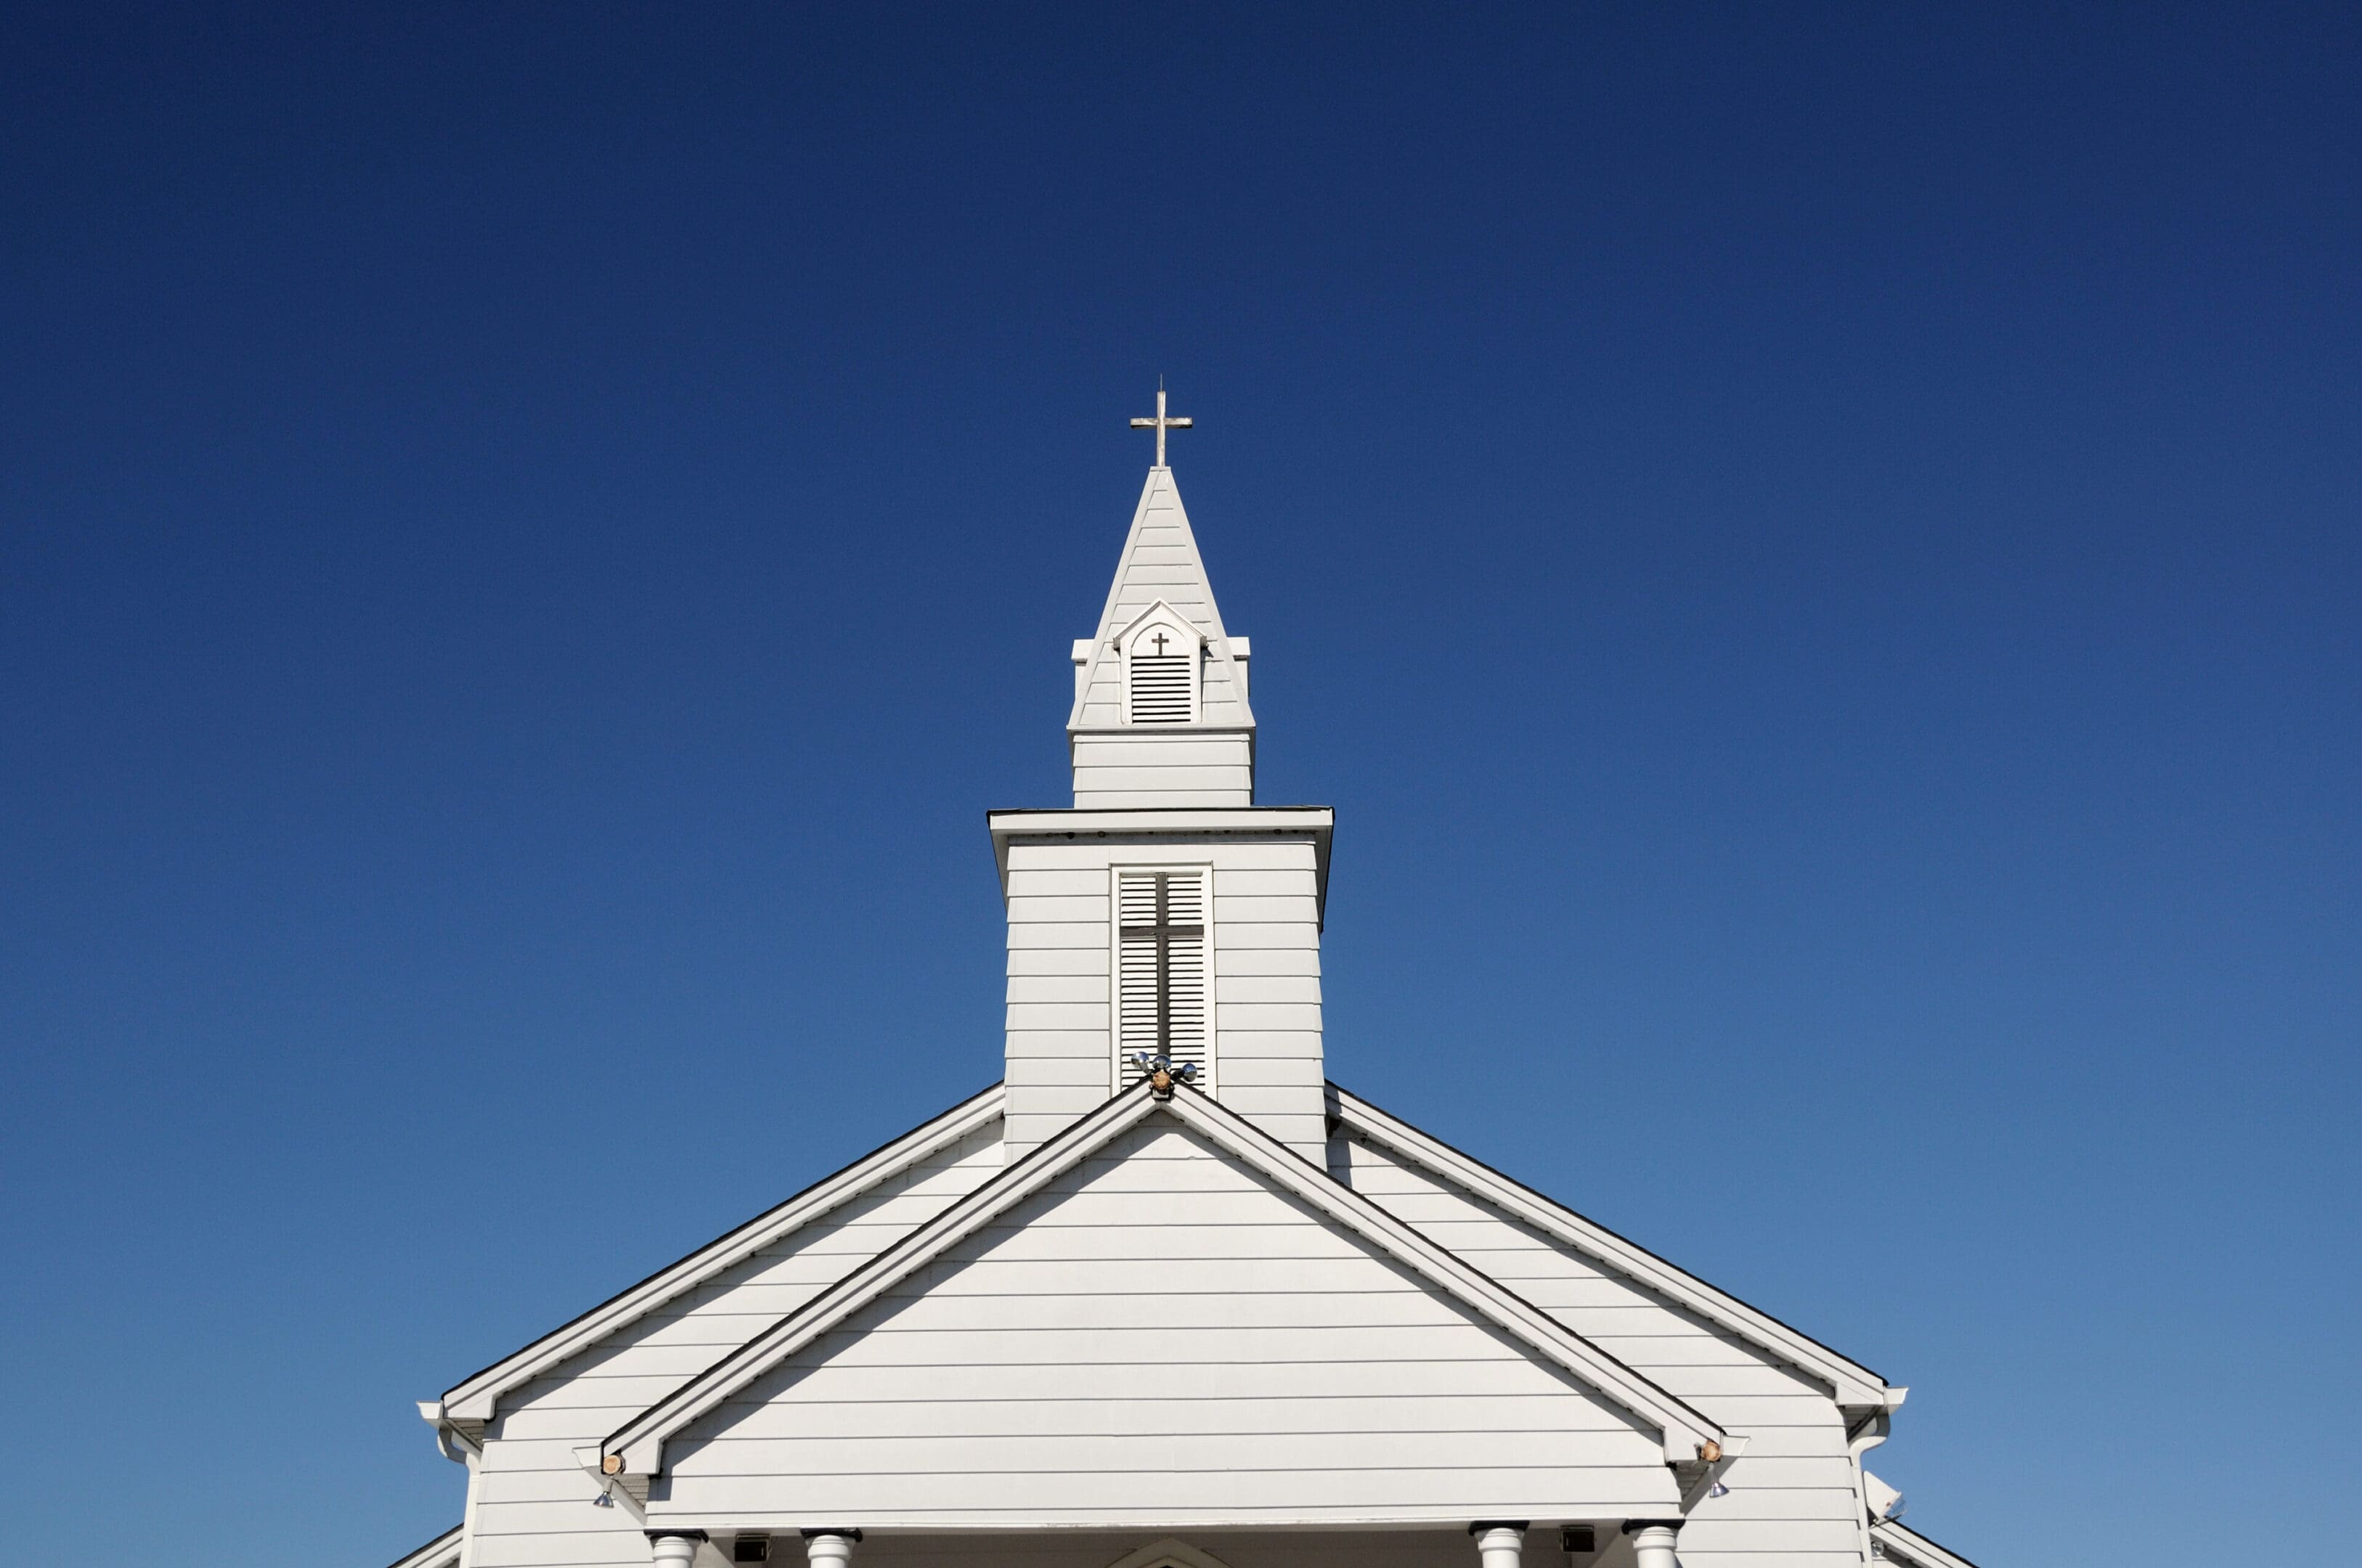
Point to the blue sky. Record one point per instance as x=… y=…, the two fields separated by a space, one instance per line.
x=1813 y=551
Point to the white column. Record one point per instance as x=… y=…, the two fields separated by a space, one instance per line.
x=674 y=1551
x=830 y=1548
x=1499 y=1543
x=1652 y=1543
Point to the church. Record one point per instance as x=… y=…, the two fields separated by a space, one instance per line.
x=1167 y=1296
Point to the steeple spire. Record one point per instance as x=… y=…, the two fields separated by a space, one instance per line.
x=1161 y=715
x=1165 y=924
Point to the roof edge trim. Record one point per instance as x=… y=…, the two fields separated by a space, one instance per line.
x=637 y=1447
x=1854 y=1383
x=440 y=1552
x=1913 y=1547
x=477 y=1395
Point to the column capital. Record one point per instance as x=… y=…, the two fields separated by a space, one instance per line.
x=1633 y=1527
x=846 y=1532
x=678 y=1535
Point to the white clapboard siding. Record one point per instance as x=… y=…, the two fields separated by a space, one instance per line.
x=1793 y=1489
x=533 y=1507
x=1045 y=1373
x=1263 y=1048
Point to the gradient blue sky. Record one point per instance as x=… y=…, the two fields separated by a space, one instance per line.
x=1813 y=551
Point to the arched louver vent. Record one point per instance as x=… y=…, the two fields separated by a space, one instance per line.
x=1163 y=688
x=1160 y=970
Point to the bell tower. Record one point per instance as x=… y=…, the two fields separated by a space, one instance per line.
x=1165 y=914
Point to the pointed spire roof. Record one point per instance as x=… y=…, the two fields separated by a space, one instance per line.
x=1160 y=564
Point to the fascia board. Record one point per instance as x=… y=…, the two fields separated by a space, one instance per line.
x=1853 y=1383
x=1151 y=732
x=477 y=1396
x=638 y=1446
x=440 y=1552
x=1913 y=1547
x=1683 y=1428
x=1115 y=587
x=1318 y=822
x=639 y=1443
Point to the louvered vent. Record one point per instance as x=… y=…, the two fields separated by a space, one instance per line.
x=1160 y=970
x=1162 y=688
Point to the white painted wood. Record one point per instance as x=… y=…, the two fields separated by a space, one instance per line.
x=533 y=1505
x=1855 y=1385
x=442 y=1552
x=900 y=1166
x=1792 y=1490
x=998 y=1383
x=639 y=1448
x=1264 y=1053
x=1177 y=1333
x=1159 y=564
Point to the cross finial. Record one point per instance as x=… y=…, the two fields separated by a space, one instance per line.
x=1161 y=424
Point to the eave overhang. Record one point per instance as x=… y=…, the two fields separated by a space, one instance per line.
x=1169 y=823
x=442 y=1552
x=476 y=1397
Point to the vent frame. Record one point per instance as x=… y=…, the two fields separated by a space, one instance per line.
x=1161 y=988
x=1164 y=669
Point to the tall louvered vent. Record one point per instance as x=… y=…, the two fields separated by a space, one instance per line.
x=1160 y=969
x=1163 y=687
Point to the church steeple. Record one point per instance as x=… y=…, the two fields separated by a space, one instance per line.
x=1165 y=915
x=1161 y=714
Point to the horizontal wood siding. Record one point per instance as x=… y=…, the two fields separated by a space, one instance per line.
x=533 y=1500
x=1266 y=982
x=1793 y=1494
x=1137 y=768
x=1160 y=1338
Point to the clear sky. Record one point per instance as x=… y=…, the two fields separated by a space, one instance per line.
x=1815 y=553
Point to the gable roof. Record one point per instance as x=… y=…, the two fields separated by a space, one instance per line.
x=637 y=1447
x=1855 y=1385
x=475 y=1396
x=1909 y=1546
x=442 y=1552
x=1160 y=563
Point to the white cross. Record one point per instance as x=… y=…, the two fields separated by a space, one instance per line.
x=1161 y=424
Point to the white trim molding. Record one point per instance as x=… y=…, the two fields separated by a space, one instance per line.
x=1170 y=1553
x=1853 y=1386
x=636 y=1448
x=477 y=1396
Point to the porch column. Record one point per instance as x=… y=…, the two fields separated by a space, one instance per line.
x=830 y=1547
x=1499 y=1542
x=1652 y=1542
x=674 y=1548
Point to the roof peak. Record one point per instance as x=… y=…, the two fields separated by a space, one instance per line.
x=1160 y=564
